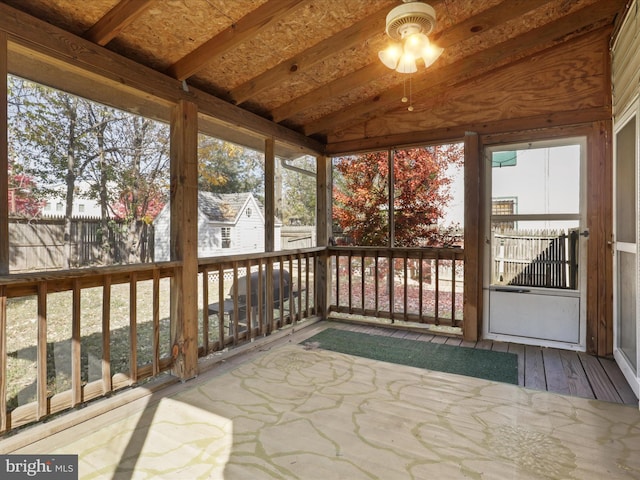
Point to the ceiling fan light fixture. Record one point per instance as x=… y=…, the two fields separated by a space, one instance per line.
x=390 y=56
x=407 y=64
x=431 y=54
x=409 y=25
x=416 y=43
x=410 y=15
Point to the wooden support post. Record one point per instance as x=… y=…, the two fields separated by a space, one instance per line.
x=599 y=254
x=269 y=195
x=184 y=239
x=323 y=234
x=473 y=225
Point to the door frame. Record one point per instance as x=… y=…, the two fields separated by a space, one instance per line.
x=582 y=260
x=632 y=377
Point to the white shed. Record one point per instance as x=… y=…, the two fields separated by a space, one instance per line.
x=228 y=224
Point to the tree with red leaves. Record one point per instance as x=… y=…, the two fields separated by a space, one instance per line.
x=21 y=198
x=421 y=189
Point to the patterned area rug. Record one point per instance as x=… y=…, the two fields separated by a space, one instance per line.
x=291 y=413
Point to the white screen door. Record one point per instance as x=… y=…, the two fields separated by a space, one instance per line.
x=535 y=244
x=625 y=251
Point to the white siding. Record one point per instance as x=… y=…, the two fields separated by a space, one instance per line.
x=625 y=64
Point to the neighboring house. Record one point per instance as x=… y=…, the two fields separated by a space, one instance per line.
x=228 y=223
x=54 y=205
x=82 y=207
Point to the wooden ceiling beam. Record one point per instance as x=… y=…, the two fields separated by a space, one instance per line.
x=30 y=36
x=333 y=89
x=355 y=34
x=483 y=21
x=116 y=20
x=577 y=23
x=564 y=123
x=245 y=28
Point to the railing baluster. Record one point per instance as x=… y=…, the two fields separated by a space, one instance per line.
x=337 y=279
x=3 y=359
x=376 y=283
x=304 y=313
x=234 y=320
x=405 y=276
x=350 y=270
x=261 y=311
x=41 y=382
x=107 y=385
x=420 y=286
x=437 y=289
x=391 y=284
x=133 y=328
x=268 y=287
x=362 y=287
x=156 y=323
x=221 y=335
x=205 y=311
x=249 y=299
x=453 y=292
x=76 y=366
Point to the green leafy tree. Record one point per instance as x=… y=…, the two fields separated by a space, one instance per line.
x=72 y=147
x=422 y=190
x=224 y=167
x=53 y=139
x=299 y=192
x=141 y=179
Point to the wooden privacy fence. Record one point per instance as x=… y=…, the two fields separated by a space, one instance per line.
x=39 y=244
x=535 y=258
x=422 y=285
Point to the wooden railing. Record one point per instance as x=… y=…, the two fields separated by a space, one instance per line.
x=71 y=336
x=421 y=285
x=230 y=316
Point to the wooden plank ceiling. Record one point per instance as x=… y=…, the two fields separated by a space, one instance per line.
x=312 y=65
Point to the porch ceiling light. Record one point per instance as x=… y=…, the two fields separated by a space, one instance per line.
x=408 y=26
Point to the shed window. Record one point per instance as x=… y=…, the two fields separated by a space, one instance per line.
x=226 y=237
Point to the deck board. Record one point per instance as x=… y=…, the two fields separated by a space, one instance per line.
x=554 y=370
x=518 y=350
x=534 y=376
x=619 y=382
x=600 y=383
x=576 y=376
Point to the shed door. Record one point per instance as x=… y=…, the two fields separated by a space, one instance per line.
x=534 y=280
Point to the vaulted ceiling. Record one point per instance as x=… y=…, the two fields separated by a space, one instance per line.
x=312 y=65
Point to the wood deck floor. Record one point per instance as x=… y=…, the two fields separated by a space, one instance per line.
x=560 y=371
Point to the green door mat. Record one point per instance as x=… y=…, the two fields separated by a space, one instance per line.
x=487 y=364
